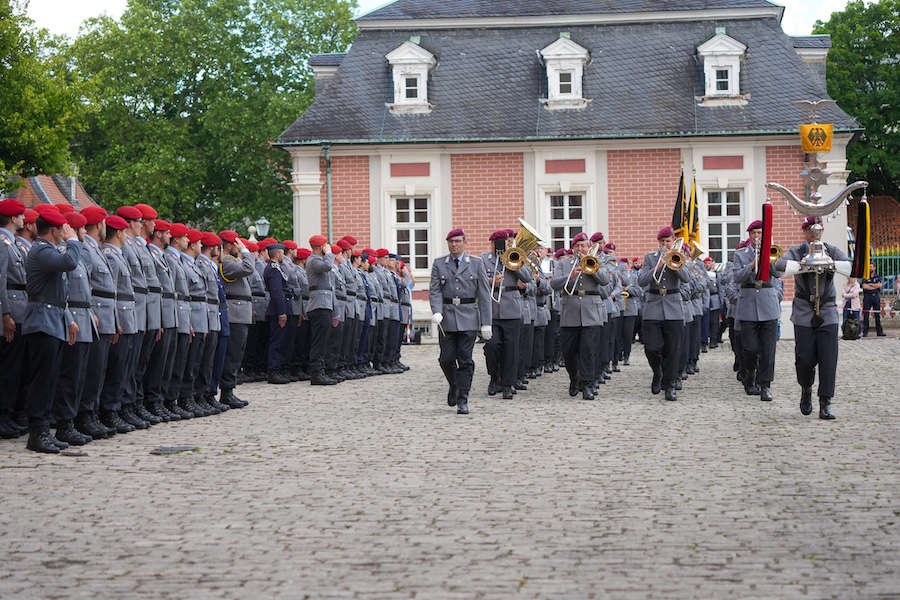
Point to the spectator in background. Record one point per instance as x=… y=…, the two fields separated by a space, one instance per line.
x=851 y=298
x=872 y=301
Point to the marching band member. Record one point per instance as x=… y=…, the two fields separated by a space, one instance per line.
x=630 y=308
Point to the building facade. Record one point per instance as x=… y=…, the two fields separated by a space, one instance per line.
x=574 y=115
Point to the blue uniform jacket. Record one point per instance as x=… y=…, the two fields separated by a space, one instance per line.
x=276 y=282
x=47 y=288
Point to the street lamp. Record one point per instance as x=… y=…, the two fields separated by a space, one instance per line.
x=262 y=227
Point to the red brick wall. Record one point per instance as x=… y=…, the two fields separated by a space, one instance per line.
x=783 y=165
x=487 y=193
x=350 y=200
x=642 y=189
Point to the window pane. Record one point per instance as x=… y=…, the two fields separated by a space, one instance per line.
x=421 y=216
x=421 y=203
x=402 y=203
x=714 y=198
x=733 y=210
x=565 y=88
x=715 y=210
x=558 y=214
x=421 y=235
x=734 y=229
x=412 y=87
x=575 y=213
x=715 y=243
x=559 y=233
x=403 y=249
x=575 y=200
x=573 y=231
x=403 y=235
x=421 y=262
x=556 y=201
x=733 y=197
x=716 y=255
x=402 y=216
x=421 y=249
x=715 y=229
x=565 y=77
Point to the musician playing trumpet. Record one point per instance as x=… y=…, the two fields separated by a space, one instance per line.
x=663 y=312
x=582 y=315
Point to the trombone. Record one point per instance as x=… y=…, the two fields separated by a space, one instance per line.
x=516 y=256
x=589 y=264
x=672 y=259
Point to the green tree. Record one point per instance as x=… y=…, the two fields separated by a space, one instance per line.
x=864 y=78
x=39 y=103
x=186 y=97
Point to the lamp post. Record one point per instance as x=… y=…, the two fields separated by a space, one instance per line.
x=262 y=227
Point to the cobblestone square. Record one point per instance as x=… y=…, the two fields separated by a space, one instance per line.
x=376 y=489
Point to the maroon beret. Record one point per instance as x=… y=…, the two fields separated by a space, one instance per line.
x=743 y=244
x=54 y=217
x=194 y=236
x=665 y=232
x=810 y=221
x=76 y=220
x=178 y=230
x=580 y=237
x=317 y=240
x=609 y=246
x=229 y=236
x=116 y=222
x=596 y=237
x=757 y=224
x=11 y=207
x=147 y=211
x=559 y=253
x=569 y=251
x=161 y=225
x=456 y=232
x=129 y=212
x=500 y=234
x=303 y=253
x=93 y=214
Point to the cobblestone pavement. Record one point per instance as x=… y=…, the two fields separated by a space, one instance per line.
x=376 y=489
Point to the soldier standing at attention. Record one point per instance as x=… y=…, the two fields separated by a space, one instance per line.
x=207 y=263
x=14 y=302
x=237 y=267
x=320 y=310
x=279 y=311
x=461 y=306
x=153 y=335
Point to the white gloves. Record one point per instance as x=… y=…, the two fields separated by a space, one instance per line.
x=437 y=318
x=792 y=268
x=844 y=267
x=486 y=332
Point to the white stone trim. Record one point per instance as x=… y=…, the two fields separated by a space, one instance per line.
x=306 y=185
x=410 y=61
x=722 y=53
x=813 y=55
x=565 y=56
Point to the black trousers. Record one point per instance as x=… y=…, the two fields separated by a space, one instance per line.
x=254 y=358
x=601 y=353
x=130 y=383
x=237 y=343
x=349 y=342
x=696 y=325
x=537 y=356
x=456 y=360
x=143 y=364
x=160 y=368
x=758 y=342
x=626 y=337
x=662 y=344
x=179 y=366
x=396 y=339
x=189 y=379
x=381 y=335
x=278 y=339
x=816 y=346
x=615 y=339
x=290 y=342
x=118 y=367
x=526 y=347
x=320 y=331
x=580 y=348
x=734 y=338
x=43 y=362
x=363 y=346
x=501 y=352
x=12 y=364
x=871 y=302
x=685 y=348
x=715 y=327
x=335 y=339
x=207 y=364
x=95 y=377
x=301 y=345
x=551 y=344
x=72 y=376
x=218 y=365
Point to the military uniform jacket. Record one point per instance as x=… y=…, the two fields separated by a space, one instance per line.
x=320 y=273
x=304 y=289
x=210 y=273
x=138 y=282
x=258 y=291
x=237 y=278
x=631 y=305
x=662 y=302
x=585 y=307
x=197 y=293
x=543 y=292
x=47 y=288
x=103 y=287
x=14 y=299
x=405 y=297
x=529 y=300
x=340 y=294
x=715 y=290
x=366 y=284
x=510 y=305
x=349 y=288
x=756 y=303
x=276 y=282
x=376 y=296
x=362 y=295
x=79 y=300
x=699 y=288
x=126 y=319
x=389 y=290
x=462 y=295
x=804 y=304
x=612 y=291
x=182 y=291
x=292 y=272
x=168 y=307
x=151 y=276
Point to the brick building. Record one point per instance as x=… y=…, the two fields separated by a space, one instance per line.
x=575 y=115
x=52 y=189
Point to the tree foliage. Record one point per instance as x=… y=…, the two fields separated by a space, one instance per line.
x=864 y=78
x=39 y=103
x=186 y=97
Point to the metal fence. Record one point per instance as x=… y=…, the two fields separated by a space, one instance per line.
x=888 y=266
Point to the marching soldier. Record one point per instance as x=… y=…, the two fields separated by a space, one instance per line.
x=630 y=307
x=541 y=321
x=14 y=303
x=461 y=306
x=714 y=328
x=238 y=269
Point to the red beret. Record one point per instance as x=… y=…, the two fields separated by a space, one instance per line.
x=270 y=240
x=161 y=225
x=30 y=215
x=178 y=229
x=665 y=232
x=810 y=221
x=357 y=253
x=335 y=249
x=194 y=236
x=743 y=244
x=598 y=236
x=317 y=240
x=304 y=253
x=368 y=251
x=381 y=252
x=708 y=259
x=76 y=220
x=609 y=246
x=456 y=232
x=42 y=208
x=209 y=239
x=290 y=244
x=511 y=233
x=129 y=212
x=251 y=246
x=261 y=244
x=64 y=208
x=116 y=222
x=636 y=259
x=229 y=236
x=500 y=234
x=93 y=214
x=147 y=211
x=757 y=224
x=350 y=239
x=623 y=259
x=569 y=251
x=11 y=207
x=54 y=217
x=344 y=244
x=580 y=237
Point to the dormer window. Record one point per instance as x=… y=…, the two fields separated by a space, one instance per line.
x=410 y=64
x=722 y=56
x=565 y=61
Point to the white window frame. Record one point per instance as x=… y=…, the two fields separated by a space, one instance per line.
x=568 y=223
x=409 y=61
x=722 y=53
x=565 y=56
x=724 y=219
x=413 y=226
x=570 y=83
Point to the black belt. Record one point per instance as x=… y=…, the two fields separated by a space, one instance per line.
x=75 y=304
x=16 y=286
x=125 y=297
x=213 y=302
x=376 y=300
x=259 y=294
x=661 y=292
x=198 y=298
x=351 y=293
x=756 y=286
x=340 y=296
x=305 y=297
x=154 y=289
x=510 y=288
x=319 y=289
x=43 y=300
x=458 y=301
x=102 y=294
x=406 y=304
x=140 y=290
x=237 y=297
x=168 y=295
x=586 y=293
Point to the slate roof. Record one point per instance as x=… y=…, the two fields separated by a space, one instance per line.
x=443 y=9
x=326 y=60
x=811 y=41
x=642 y=80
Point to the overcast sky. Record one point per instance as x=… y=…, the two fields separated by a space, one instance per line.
x=64 y=16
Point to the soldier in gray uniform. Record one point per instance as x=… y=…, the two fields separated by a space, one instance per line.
x=630 y=308
x=404 y=281
x=699 y=302
x=162 y=357
x=551 y=344
x=663 y=315
x=14 y=302
x=460 y=300
x=153 y=333
x=581 y=317
x=364 y=311
x=301 y=299
x=391 y=314
x=47 y=326
x=321 y=308
x=208 y=264
x=199 y=325
x=816 y=334
x=376 y=303
x=541 y=320
x=237 y=268
x=254 y=359
x=613 y=304
x=348 y=326
x=333 y=362
x=177 y=244
x=758 y=312
x=715 y=303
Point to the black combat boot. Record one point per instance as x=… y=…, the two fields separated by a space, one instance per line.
x=452 y=396
x=825 y=409
x=42 y=441
x=66 y=432
x=111 y=419
x=277 y=378
x=806 y=401
x=462 y=406
x=319 y=378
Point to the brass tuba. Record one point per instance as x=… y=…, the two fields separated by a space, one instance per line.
x=527 y=241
